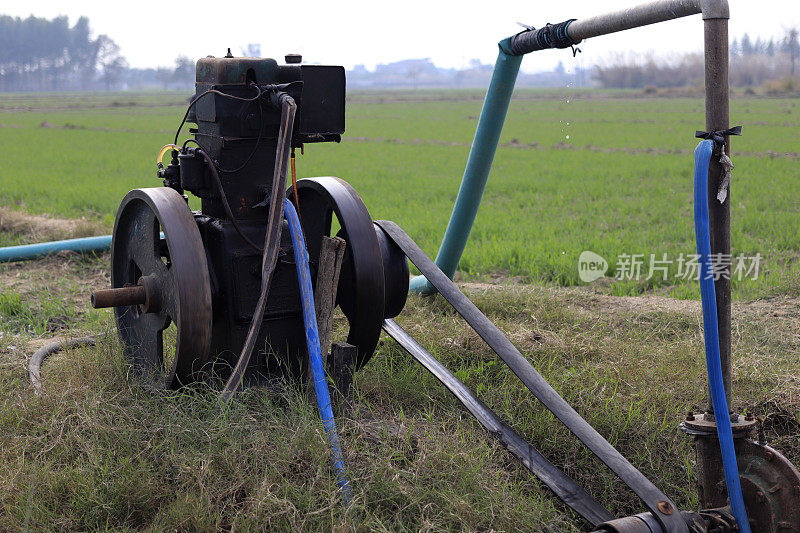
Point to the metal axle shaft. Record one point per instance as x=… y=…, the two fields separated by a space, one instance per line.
x=120 y=297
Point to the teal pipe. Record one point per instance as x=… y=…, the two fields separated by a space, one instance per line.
x=32 y=251
x=481 y=155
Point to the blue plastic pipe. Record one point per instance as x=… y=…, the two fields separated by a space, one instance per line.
x=314 y=350
x=32 y=251
x=479 y=163
x=702 y=156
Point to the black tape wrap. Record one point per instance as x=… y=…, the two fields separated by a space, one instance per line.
x=718 y=137
x=550 y=36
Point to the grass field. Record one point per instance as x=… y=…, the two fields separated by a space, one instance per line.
x=575 y=172
x=606 y=172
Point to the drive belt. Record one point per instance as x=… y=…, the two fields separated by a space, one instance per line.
x=662 y=508
x=563 y=486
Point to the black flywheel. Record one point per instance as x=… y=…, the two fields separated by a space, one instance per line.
x=157 y=245
x=362 y=286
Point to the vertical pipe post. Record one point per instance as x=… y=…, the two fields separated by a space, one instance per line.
x=711 y=488
x=479 y=163
x=717 y=118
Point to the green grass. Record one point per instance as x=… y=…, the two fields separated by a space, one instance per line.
x=621 y=183
x=97 y=452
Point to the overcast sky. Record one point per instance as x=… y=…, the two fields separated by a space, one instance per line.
x=152 y=33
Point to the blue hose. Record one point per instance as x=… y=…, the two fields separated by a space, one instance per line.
x=314 y=350
x=702 y=156
x=32 y=251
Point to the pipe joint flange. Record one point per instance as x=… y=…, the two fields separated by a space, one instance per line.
x=700 y=425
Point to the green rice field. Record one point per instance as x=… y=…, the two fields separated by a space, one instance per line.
x=606 y=172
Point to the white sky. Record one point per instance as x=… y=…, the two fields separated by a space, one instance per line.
x=152 y=33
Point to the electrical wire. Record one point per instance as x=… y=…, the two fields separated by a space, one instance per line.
x=225 y=204
x=213 y=165
x=260 y=128
x=215 y=91
x=249 y=156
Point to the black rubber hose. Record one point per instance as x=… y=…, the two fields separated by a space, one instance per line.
x=549 y=36
x=39 y=357
x=271 y=241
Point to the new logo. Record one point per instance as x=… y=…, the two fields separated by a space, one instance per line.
x=591 y=266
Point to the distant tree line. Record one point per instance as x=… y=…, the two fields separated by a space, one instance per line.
x=37 y=54
x=752 y=63
x=181 y=76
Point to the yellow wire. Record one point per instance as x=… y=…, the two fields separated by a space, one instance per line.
x=164 y=151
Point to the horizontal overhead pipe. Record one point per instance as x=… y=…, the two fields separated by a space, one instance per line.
x=634 y=17
x=33 y=251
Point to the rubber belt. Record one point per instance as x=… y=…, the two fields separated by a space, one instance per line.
x=562 y=485
x=663 y=509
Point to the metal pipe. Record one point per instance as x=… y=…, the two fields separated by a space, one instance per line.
x=710 y=330
x=717 y=117
x=33 y=251
x=479 y=163
x=634 y=17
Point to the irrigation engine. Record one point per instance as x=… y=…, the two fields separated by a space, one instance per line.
x=226 y=275
x=250 y=281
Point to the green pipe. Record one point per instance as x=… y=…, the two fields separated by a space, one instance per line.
x=32 y=251
x=481 y=155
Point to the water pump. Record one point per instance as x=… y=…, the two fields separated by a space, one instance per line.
x=225 y=275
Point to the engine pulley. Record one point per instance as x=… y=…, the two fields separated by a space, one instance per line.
x=159 y=275
x=374 y=279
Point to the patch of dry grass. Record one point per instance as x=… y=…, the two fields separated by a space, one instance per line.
x=20 y=227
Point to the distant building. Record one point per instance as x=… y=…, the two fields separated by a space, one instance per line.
x=422 y=73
